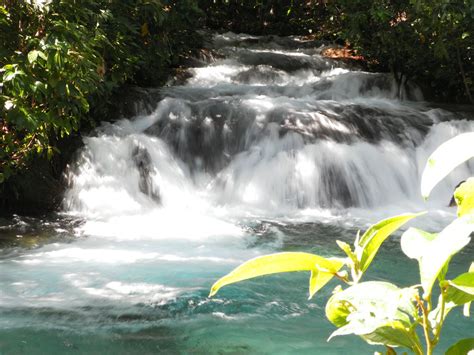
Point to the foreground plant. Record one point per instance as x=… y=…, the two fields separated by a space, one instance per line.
x=380 y=312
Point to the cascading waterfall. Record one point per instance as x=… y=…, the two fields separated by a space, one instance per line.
x=269 y=130
x=269 y=147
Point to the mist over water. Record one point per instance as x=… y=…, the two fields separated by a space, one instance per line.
x=270 y=147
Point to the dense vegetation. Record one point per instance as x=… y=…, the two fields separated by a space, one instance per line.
x=61 y=61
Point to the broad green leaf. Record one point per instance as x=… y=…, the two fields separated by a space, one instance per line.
x=458 y=292
x=380 y=312
x=462 y=347
x=434 y=251
x=464 y=196
x=322 y=269
x=444 y=159
x=464 y=283
x=317 y=281
x=370 y=242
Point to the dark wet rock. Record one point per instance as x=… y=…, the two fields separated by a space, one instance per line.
x=40 y=188
x=129 y=102
x=259 y=74
x=142 y=160
x=334 y=189
x=285 y=62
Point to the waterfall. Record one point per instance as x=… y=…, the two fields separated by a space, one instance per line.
x=269 y=126
x=268 y=147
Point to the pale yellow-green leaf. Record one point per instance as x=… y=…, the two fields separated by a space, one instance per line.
x=370 y=242
x=346 y=248
x=433 y=251
x=464 y=283
x=32 y=56
x=458 y=292
x=322 y=269
x=464 y=197
x=444 y=159
x=377 y=311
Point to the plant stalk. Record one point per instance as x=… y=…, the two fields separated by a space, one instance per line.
x=426 y=327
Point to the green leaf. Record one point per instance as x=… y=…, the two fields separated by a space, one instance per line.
x=322 y=269
x=33 y=55
x=434 y=251
x=347 y=249
x=464 y=197
x=458 y=292
x=380 y=312
x=370 y=242
x=444 y=159
x=464 y=283
x=462 y=347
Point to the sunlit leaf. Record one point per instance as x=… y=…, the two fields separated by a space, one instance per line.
x=322 y=269
x=458 y=292
x=380 y=312
x=32 y=56
x=464 y=283
x=433 y=251
x=347 y=249
x=317 y=281
x=444 y=159
x=464 y=197
x=370 y=242
x=462 y=347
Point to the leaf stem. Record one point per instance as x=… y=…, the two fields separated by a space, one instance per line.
x=426 y=326
x=441 y=320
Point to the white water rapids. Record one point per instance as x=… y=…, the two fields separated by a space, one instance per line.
x=241 y=140
x=268 y=147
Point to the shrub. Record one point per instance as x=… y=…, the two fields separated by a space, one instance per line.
x=59 y=59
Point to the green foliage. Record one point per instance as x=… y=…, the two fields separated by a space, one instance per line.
x=368 y=245
x=462 y=347
x=380 y=312
x=283 y=17
x=420 y=40
x=422 y=246
x=59 y=61
x=322 y=270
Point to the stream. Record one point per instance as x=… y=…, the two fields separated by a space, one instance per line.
x=266 y=147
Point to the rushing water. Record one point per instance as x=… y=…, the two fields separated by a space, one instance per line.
x=270 y=147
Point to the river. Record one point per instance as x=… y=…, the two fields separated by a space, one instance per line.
x=267 y=147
